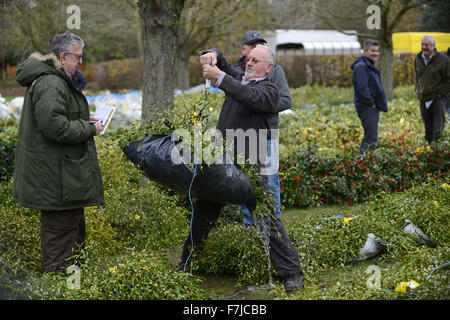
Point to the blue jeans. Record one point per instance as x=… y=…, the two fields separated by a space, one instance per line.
x=274 y=183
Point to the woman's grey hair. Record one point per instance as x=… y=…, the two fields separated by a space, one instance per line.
x=64 y=42
x=271 y=58
x=430 y=39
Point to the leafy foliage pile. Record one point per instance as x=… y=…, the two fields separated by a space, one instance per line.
x=329 y=244
x=128 y=239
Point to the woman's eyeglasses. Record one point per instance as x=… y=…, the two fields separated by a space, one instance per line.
x=78 y=56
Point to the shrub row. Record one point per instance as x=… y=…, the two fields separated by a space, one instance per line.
x=116 y=74
x=326 y=70
x=308 y=179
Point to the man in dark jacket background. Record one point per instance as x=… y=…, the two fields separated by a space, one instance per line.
x=370 y=97
x=277 y=76
x=79 y=80
x=250 y=100
x=432 y=87
x=56 y=168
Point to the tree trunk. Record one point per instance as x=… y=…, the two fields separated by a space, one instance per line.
x=386 y=61
x=160 y=21
x=386 y=54
x=3 y=42
x=182 y=67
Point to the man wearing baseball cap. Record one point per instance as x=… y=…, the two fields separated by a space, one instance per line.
x=249 y=41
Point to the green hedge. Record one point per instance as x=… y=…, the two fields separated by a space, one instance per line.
x=326 y=70
x=308 y=179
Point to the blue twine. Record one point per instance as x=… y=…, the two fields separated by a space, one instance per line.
x=339 y=216
x=190 y=186
x=192 y=217
x=410 y=293
x=438 y=267
x=415 y=294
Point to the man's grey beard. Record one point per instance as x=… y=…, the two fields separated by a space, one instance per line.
x=249 y=73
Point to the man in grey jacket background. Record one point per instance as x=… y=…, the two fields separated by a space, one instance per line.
x=277 y=76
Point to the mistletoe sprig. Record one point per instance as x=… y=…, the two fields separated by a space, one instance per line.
x=184 y=115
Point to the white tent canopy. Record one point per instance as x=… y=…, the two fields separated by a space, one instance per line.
x=312 y=42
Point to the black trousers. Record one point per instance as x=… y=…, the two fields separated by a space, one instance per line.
x=62 y=235
x=369 y=119
x=283 y=253
x=433 y=118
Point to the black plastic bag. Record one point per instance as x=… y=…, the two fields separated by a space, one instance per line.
x=224 y=183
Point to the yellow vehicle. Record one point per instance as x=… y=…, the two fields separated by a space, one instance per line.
x=410 y=41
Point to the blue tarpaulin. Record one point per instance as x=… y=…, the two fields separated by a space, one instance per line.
x=100 y=97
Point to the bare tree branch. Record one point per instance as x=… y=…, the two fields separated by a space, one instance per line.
x=404 y=9
x=328 y=23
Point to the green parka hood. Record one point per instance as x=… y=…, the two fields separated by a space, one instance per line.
x=37 y=65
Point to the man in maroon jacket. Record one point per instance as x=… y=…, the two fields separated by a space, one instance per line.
x=250 y=100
